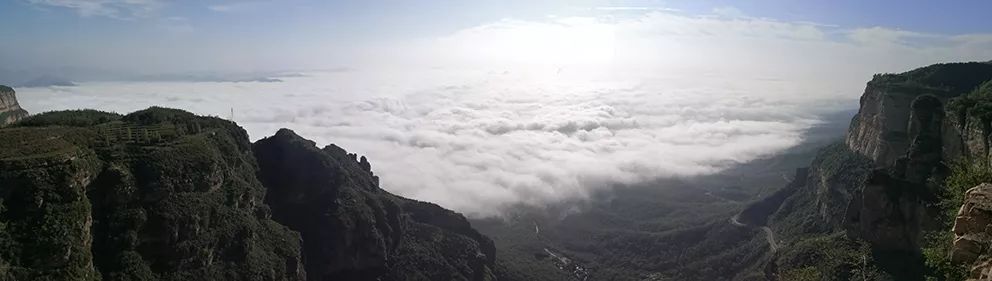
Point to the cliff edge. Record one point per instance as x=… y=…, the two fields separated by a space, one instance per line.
x=162 y=194
x=10 y=110
x=875 y=206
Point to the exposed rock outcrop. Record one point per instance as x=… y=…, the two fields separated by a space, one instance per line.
x=174 y=198
x=10 y=110
x=973 y=233
x=163 y=194
x=882 y=186
x=892 y=207
x=353 y=230
x=881 y=129
x=905 y=129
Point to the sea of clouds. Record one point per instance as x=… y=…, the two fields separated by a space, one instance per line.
x=482 y=141
x=539 y=111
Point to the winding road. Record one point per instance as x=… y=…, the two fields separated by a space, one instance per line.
x=769 y=235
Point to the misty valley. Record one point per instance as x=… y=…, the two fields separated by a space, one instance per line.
x=495 y=140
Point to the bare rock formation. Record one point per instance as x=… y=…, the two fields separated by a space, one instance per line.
x=973 y=233
x=10 y=110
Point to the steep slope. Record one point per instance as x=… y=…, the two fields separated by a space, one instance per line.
x=669 y=229
x=353 y=230
x=880 y=130
x=163 y=194
x=10 y=110
x=155 y=195
x=878 y=195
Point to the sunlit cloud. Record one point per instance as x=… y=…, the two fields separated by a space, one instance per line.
x=481 y=142
x=552 y=110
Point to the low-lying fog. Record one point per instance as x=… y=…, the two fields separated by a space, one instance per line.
x=478 y=142
x=520 y=111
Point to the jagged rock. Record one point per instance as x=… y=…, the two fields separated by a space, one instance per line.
x=353 y=230
x=973 y=232
x=10 y=110
x=163 y=194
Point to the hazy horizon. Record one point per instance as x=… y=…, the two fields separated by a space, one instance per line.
x=129 y=39
x=478 y=106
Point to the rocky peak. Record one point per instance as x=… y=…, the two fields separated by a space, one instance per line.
x=162 y=194
x=10 y=110
x=353 y=230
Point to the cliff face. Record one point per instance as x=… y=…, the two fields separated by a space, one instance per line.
x=10 y=110
x=905 y=128
x=884 y=185
x=880 y=130
x=353 y=230
x=162 y=194
x=154 y=195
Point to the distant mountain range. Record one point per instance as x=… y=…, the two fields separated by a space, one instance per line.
x=68 y=78
x=46 y=81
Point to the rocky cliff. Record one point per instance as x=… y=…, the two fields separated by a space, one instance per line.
x=880 y=130
x=885 y=186
x=162 y=194
x=10 y=110
x=973 y=234
x=353 y=230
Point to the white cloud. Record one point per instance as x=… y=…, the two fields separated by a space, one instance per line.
x=635 y=8
x=675 y=43
x=479 y=142
x=121 y=9
x=546 y=111
x=884 y=36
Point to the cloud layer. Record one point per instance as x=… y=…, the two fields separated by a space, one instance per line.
x=479 y=142
x=536 y=112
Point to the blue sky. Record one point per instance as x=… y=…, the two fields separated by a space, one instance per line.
x=152 y=35
x=396 y=18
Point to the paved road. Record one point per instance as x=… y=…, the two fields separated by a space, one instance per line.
x=769 y=235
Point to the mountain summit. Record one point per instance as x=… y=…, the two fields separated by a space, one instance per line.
x=162 y=194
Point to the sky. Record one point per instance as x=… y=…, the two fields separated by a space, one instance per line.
x=481 y=106
x=120 y=37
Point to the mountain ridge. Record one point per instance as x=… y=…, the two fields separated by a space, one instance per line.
x=162 y=194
